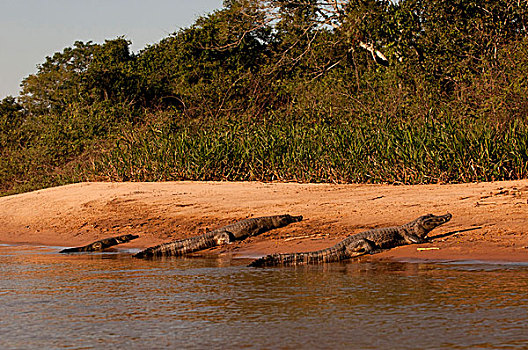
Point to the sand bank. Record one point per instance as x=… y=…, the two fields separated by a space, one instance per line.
x=492 y=217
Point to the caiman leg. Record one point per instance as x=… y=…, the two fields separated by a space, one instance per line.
x=412 y=238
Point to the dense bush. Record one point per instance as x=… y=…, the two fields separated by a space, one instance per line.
x=348 y=91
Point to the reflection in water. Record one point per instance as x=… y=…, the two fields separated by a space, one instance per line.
x=49 y=300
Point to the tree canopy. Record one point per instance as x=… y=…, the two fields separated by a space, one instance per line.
x=253 y=55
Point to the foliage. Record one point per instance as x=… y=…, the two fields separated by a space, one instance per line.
x=11 y=117
x=284 y=90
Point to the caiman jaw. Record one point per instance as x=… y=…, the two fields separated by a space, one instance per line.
x=435 y=221
x=445 y=218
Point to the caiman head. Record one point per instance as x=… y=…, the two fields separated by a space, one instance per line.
x=286 y=219
x=426 y=223
x=125 y=238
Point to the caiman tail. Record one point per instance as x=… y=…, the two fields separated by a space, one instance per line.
x=185 y=246
x=338 y=252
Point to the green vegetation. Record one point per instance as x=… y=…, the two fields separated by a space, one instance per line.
x=288 y=91
x=381 y=151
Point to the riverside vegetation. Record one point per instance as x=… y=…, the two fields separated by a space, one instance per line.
x=287 y=91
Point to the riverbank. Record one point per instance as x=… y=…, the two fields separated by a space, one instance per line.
x=492 y=217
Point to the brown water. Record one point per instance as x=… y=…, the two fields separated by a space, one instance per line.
x=83 y=301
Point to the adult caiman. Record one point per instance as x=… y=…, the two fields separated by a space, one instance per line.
x=367 y=242
x=101 y=244
x=227 y=234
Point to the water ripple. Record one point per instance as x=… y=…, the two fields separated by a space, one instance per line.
x=48 y=300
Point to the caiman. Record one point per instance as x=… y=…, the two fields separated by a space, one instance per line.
x=224 y=235
x=101 y=244
x=367 y=242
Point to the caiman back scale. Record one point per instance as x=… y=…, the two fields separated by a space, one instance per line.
x=227 y=234
x=367 y=242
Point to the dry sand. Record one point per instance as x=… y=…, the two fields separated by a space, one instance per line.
x=493 y=215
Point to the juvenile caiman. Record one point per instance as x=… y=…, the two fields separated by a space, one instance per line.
x=101 y=244
x=368 y=242
x=227 y=234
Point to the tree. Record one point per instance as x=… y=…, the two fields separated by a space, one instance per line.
x=111 y=76
x=209 y=68
x=11 y=118
x=58 y=81
x=84 y=74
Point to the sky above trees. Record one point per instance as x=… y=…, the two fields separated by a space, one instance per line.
x=30 y=30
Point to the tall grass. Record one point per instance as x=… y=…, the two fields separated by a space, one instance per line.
x=362 y=151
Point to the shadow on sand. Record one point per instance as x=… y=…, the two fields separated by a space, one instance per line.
x=454 y=232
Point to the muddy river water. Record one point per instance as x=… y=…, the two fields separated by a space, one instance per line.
x=83 y=301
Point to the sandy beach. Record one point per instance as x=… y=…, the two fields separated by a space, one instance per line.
x=490 y=220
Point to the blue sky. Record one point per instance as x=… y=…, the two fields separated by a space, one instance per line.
x=30 y=30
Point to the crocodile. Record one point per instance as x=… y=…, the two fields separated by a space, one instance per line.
x=234 y=232
x=367 y=242
x=101 y=244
